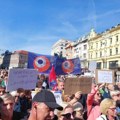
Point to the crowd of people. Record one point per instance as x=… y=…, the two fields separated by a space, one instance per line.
x=102 y=103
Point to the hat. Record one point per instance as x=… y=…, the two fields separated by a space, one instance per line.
x=48 y=98
x=77 y=106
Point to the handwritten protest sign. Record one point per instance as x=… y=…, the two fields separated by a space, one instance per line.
x=105 y=76
x=21 y=78
x=72 y=85
x=58 y=97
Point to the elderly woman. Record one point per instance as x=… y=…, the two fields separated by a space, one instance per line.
x=115 y=95
x=108 y=110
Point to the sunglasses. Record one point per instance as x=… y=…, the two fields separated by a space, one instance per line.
x=99 y=94
x=68 y=115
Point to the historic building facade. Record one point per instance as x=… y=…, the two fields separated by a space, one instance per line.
x=17 y=59
x=104 y=48
x=59 y=47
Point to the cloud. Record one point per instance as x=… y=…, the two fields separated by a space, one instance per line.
x=113 y=12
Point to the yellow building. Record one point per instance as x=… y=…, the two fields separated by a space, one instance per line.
x=104 y=48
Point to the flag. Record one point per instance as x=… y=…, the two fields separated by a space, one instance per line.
x=52 y=79
x=62 y=66
x=67 y=66
x=42 y=63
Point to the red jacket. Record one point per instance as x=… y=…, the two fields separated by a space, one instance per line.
x=92 y=112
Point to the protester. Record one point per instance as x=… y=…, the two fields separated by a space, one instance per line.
x=43 y=106
x=23 y=102
x=78 y=111
x=1 y=106
x=2 y=90
x=8 y=107
x=68 y=113
x=117 y=86
x=93 y=103
x=44 y=79
x=115 y=95
x=60 y=85
x=74 y=102
x=17 y=107
x=108 y=110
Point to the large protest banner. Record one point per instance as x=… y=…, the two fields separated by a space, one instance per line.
x=72 y=85
x=105 y=76
x=21 y=78
x=63 y=66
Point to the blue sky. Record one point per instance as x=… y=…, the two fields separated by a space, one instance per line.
x=35 y=25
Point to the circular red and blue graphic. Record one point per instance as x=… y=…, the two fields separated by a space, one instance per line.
x=67 y=66
x=41 y=63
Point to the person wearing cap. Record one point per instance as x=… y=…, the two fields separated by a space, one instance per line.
x=43 y=106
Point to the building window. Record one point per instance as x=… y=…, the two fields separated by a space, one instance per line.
x=110 y=40
x=110 y=51
x=116 y=49
x=96 y=55
x=91 y=56
x=117 y=38
x=77 y=56
x=101 y=44
x=104 y=64
x=84 y=55
x=91 y=47
x=113 y=64
x=96 y=45
x=99 y=65
x=100 y=53
x=85 y=47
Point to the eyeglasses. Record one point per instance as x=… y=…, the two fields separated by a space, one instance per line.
x=68 y=115
x=113 y=109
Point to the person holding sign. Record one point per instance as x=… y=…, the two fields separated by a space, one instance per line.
x=93 y=103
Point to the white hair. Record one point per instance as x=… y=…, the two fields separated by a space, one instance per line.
x=13 y=93
x=114 y=92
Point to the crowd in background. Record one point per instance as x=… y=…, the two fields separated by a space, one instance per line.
x=102 y=103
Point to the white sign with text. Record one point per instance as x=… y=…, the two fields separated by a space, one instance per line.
x=21 y=78
x=58 y=97
x=105 y=76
